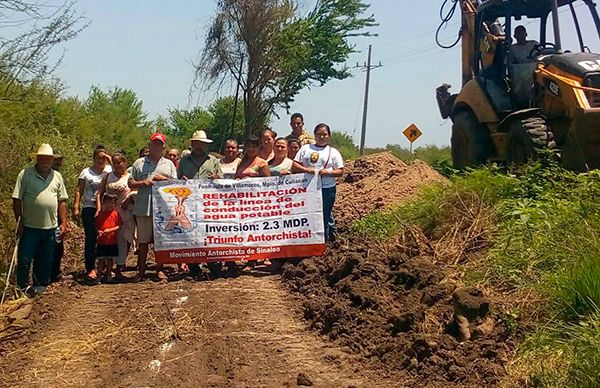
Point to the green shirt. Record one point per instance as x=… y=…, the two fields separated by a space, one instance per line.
x=39 y=197
x=190 y=168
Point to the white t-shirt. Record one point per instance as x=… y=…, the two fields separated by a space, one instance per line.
x=520 y=54
x=319 y=158
x=230 y=168
x=92 y=183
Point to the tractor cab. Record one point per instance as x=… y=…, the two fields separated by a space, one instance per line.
x=530 y=81
x=513 y=37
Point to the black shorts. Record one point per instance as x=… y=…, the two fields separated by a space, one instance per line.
x=103 y=251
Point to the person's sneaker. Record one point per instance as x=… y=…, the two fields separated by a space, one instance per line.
x=34 y=291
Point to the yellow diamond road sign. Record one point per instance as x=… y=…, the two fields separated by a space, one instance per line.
x=412 y=133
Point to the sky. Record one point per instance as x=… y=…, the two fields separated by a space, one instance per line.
x=149 y=46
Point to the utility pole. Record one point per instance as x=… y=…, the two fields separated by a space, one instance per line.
x=367 y=67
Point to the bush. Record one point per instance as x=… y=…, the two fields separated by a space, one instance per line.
x=344 y=143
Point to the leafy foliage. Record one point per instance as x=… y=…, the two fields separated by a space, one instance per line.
x=280 y=51
x=216 y=120
x=344 y=143
x=115 y=118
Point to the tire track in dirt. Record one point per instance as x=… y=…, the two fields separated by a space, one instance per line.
x=224 y=333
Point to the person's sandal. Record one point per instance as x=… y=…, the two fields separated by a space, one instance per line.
x=162 y=277
x=139 y=278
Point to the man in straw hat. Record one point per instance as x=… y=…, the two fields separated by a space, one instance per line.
x=40 y=207
x=199 y=164
x=144 y=172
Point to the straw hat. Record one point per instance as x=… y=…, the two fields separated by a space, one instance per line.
x=44 y=150
x=200 y=136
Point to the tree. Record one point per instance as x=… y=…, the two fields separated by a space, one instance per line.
x=117 y=118
x=222 y=117
x=216 y=120
x=24 y=56
x=183 y=123
x=280 y=51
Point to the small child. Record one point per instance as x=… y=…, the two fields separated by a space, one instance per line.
x=108 y=222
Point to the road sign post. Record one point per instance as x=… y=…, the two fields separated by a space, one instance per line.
x=412 y=133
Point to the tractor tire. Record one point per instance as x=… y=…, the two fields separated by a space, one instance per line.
x=471 y=141
x=526 y=138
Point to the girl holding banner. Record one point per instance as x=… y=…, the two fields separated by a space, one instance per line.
x=329 y=164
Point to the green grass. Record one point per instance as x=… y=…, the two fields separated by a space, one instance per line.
x=423 y=212
x=564 y=355
x=576 y=288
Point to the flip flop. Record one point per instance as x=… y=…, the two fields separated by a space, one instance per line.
x=162 y=276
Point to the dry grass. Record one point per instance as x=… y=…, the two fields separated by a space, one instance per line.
x=466 y=231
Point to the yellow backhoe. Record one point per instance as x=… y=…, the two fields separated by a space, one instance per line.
x=519 y=97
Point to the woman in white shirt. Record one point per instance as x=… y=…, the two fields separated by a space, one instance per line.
x=87 y=189
x=328 y=162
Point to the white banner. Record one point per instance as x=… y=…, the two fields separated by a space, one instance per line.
x=223 y=219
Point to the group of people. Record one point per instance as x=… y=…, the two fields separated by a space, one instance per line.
x=114 y=201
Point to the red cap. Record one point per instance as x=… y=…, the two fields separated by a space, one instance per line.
x=159 y=136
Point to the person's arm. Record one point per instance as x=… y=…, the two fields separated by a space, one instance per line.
x=337 y=164
x=108 y=159
x=129 y=199
x=100 y=193
x=18 y=211
x=336 y=173
x=217 y=172
x=110 y=230
x=264 y=170
x=78 y=194
x=63 y=224
x=135 y=184
x=297 y=168
x=180 y=170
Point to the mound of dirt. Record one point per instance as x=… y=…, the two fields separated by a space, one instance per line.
x=376 y=181
x=400 y=310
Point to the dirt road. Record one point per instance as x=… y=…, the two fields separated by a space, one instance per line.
x=242 y=332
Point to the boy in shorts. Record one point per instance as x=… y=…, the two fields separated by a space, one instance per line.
x=108 y=222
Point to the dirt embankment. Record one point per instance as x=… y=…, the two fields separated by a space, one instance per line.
x=399 y=304
x=375 y=181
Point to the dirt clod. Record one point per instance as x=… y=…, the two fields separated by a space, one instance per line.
x=470 y=303
x=486 y=328
x=303 y=380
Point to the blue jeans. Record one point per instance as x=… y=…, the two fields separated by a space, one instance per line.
x=36 y=246
x=89 y=228
x=328 y=221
